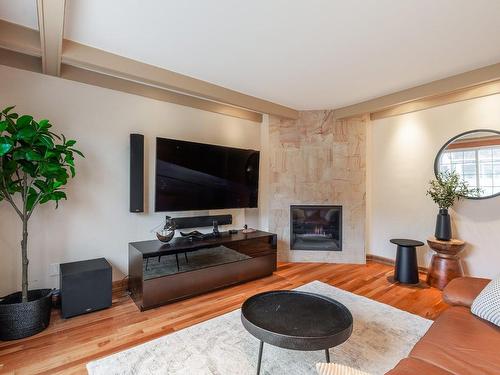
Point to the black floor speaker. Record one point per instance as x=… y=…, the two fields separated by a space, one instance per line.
x=136 y=173
x=85 y=286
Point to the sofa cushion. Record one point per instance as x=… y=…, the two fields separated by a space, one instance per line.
x=463 y=290
x=413 y=366
x=461 y=343
x=487 y=303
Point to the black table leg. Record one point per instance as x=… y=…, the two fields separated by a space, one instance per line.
x=259 y=361
x=177 y=261
x=186 y=256
x=327 y=355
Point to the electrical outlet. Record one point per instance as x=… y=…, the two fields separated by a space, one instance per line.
x=54 y=269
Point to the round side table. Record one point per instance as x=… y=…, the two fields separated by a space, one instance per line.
x=445 y=265
x=406 y=267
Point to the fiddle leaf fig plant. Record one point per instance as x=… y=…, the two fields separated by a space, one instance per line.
x=35 y=165
x=448 y=187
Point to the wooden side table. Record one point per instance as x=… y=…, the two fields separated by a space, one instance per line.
x=445 y=265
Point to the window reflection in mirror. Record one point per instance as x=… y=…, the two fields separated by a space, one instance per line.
x=475 y=156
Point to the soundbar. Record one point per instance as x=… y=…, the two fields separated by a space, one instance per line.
x=202 y=221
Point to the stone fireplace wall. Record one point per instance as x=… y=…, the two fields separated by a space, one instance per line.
x=317 y=159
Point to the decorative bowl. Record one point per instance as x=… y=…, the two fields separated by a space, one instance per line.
x=168 y=231
x=165 y=235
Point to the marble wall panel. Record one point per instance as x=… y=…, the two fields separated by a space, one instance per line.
x=317 y=159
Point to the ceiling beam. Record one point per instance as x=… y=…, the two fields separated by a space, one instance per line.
x=20 y=47
x=34 y=64
x=51 y=25
x=118 y=84
x=18 y=38
x=478 y=91
x=20 y=60
x=82 y=56
x=440 y=87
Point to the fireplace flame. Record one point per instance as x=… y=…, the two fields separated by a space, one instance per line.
x=318 y=229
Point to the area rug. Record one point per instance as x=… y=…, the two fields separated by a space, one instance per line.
x=382 y=336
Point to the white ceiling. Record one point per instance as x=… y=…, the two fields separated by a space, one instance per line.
x=306 y=54
x=22 y=12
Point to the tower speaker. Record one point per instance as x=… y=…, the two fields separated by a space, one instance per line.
x=136 y=173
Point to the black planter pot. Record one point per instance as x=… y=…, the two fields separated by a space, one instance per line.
x=19 y=320
x=443 y=225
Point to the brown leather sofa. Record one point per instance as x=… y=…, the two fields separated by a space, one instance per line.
x=458 y=342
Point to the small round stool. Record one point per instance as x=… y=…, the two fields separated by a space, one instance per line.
x=445 y=264
x=406 y=267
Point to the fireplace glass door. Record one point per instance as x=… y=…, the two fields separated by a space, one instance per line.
x=316 y=228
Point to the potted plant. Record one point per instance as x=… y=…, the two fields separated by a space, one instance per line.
x=444 y=190
x=35 y=164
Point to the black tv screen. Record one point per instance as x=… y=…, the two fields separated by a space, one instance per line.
x=197 y=176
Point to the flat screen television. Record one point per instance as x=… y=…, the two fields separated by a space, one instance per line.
x=198 y=176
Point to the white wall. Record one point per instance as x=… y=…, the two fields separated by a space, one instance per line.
x=95 y=220
x=401 y=154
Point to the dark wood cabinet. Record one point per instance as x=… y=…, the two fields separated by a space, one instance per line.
x=162 y=273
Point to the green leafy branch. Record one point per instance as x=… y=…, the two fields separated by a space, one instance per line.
x=448 y=187
x=34 y=161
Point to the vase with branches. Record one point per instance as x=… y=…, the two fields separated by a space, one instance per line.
x=35 y=165
x=447 y=188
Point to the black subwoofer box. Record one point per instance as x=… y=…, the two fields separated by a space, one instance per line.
x=85 y=286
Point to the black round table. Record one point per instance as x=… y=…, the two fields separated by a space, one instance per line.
x=406 y=267
x=296 y=320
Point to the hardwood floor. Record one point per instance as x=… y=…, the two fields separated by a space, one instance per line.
x=67 y=345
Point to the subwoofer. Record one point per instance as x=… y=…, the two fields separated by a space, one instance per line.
x=86 y=286
x=136 y=173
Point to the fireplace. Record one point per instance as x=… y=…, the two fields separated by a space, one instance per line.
x=316 y=227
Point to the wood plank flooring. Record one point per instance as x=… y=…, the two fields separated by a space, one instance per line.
x=67 y=345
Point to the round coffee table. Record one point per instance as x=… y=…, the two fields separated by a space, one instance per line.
x=296 y=320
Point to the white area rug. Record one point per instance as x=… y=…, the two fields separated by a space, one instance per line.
x=382 y=336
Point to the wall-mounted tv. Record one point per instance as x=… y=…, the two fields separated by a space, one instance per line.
x=198 y=176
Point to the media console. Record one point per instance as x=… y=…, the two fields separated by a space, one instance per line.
x=162 y=273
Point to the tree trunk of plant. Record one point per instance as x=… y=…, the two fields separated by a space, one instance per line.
x=24 y=254
x=24 y=241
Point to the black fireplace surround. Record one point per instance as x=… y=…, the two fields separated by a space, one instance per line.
x=316 y=227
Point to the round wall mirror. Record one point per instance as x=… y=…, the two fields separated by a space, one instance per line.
x=474 y=155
